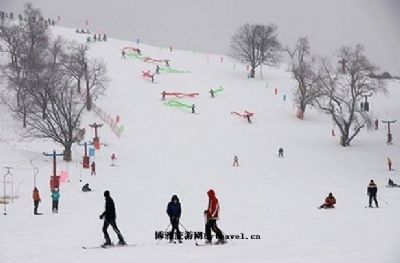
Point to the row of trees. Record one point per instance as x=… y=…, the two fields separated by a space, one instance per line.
x=44 y=77
x=335 y=89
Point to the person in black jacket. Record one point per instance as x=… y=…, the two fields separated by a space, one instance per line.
x=109 y=217
x=371 y=191
x=174 y=212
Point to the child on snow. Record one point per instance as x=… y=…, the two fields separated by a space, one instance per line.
x=55 y=196
x=330 y=202
x=174 y=212
x=36 y=200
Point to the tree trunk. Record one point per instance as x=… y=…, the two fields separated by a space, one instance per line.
x=79 y=85
x=88 y=100
x=67 y=153
x=44 y=108
x=252 y=72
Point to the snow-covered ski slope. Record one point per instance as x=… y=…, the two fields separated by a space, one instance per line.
x=166 y=150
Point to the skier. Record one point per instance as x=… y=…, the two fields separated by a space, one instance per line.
x=330 y=202
x=104 y=37
x=163 y=94
x=94 y=37
x=55 y=196
x=86 y=188
x=113 y=158
x=235 y=161
x=193 y=107
x=167 y=63
x=152 y=78
x=174 y=211
x=109 y=217
x=392 y=184
x=376 y=124
x=248 y=118
x=93 y=166
x=389 y=162
x=211 y=215
x=157 y=69
x=371 y=191
x=36 y=200
x=212 y=93
x=280 y=152
x=123 y=54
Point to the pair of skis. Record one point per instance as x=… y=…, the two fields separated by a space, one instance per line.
x=107 y=247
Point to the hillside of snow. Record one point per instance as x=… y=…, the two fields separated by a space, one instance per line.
x=166 y=150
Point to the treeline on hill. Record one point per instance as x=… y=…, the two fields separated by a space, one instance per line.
x=49 y=81
x=336 y=86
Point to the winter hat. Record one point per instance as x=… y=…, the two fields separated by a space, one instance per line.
x=211 y=193
x=106 y=193
x=175 y=197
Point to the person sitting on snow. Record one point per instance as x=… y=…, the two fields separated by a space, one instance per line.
x=392 y=184
x=86 y=188
x=330 y=202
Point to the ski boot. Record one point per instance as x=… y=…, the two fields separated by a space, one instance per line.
x=121 y=243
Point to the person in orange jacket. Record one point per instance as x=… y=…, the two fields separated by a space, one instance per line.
x=36 y=200
x=211 y=215
x=330 y=202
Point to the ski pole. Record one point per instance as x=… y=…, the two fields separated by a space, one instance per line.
x=380 y=199
x=183 y=227
x=163 y=233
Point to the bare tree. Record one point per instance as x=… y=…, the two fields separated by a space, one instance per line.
x=302 y=68
x=63 y=117
x=96 y=79
x=75 y=62
x=256 y=45
x=343 y=90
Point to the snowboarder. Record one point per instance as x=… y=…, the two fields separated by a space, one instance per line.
x=371 y=191
x=86 y=188
x=389 y=162
x=193 y=107
x=157 y=69
x=113 y=158
x=174 y=211
x=280 y=152
x=55 y=196
x=376 y=124
x=212 y=93
x=93 y=166
x=235 y=160
x=330 y=202
x=123 y=54
x=109 y=217
x=36 y=200
x=392 y=184
x=163 y=94
x=211 y=215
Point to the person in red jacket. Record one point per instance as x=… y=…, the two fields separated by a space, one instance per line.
x=330 y=202
x=36 y=200
x=211 y=215
x=113 y=158
x=93 y=165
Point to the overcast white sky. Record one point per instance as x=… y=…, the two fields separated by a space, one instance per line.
x=207 y=25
